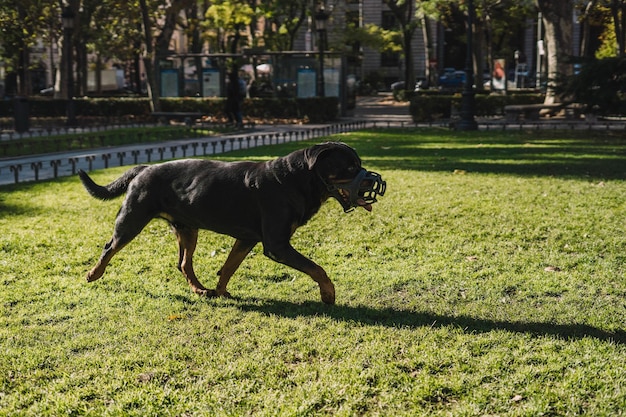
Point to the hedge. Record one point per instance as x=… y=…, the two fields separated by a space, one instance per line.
x=315 y=109
x=430 y=107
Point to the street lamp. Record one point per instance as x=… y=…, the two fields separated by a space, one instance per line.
x=320 y=24
x=67 y=18
x=467 y=121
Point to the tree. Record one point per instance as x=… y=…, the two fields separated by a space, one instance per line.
x=283 y=20
x=226 y=21
x=159 y=21
x=22 y=22
x=404 y=12
x=618 y=11
x=557 y=21
x=612 y=15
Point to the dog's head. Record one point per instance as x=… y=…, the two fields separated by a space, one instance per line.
x=339 y=168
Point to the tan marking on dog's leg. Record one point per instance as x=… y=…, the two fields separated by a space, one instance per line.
x=327 y=288
x=187 y=240
x=236 y=256
x=110 y=249
x=97 y=271
x=287 y=255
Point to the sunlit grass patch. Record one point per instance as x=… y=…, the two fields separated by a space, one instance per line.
x=489 y=280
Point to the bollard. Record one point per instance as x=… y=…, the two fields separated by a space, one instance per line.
x=149 y=153
x=55 y=167
x=35 y=166
x=161 y=150
x=16 y=169
x=135 y=153
x=89 y=159
x=73 y=161
x=121 y=156
x=106 y=158
x=184 y=148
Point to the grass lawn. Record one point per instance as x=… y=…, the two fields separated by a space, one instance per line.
x=490 y=280
x=91 y=140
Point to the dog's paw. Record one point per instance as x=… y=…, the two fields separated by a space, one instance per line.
x=212 y=293
x=328 y=294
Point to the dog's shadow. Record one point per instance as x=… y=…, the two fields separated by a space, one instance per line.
x=398 y=318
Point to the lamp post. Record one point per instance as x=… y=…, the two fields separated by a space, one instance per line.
x=67 y=18
x=320 y=24
x=467 y=121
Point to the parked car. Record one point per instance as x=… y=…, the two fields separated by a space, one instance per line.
x=420 y=84
x=452 y=79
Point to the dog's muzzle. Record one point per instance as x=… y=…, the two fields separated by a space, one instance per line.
x=360 y=192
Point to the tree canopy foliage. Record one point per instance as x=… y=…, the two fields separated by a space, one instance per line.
x=129 y=31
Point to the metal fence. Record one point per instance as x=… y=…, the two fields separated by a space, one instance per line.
x=44 y=167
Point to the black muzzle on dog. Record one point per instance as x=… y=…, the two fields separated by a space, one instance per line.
x=360 y=192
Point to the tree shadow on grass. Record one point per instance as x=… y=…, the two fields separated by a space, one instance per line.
x=397 y=318
x=18 y=209
x=601 y=156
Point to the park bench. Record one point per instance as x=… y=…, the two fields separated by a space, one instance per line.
x=516 y=112
x=164 y=117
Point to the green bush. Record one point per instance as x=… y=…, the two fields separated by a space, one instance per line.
x=600 y=86
x=315 y=109
x=430 y=107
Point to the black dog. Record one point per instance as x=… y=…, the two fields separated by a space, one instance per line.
x=250 y=201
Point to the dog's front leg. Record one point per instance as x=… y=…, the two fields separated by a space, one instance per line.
x=237 y=254
x=286 y=254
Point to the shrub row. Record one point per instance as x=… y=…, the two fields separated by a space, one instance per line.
x=315 y=109
x=428 y=107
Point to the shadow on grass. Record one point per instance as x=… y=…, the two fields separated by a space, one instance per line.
x=390 y=317
x=20 y=209
x=593 y=155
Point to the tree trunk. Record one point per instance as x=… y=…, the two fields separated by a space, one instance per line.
x=148 y=58
x=157 y=47
x=586 y=27
x=478 y=35
x=409 y=65
x=618 y=10
x=428 y=48
x=557 y=20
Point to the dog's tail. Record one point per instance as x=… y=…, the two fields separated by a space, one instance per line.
x=112 y=190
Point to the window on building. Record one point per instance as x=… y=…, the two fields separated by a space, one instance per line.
x=388 y=22
x=354 y=46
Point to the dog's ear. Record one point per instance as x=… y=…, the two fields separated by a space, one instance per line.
x=313 y=154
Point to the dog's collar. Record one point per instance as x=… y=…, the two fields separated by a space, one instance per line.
x=361 y=191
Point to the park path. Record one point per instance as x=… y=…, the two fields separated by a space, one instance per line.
x=370 y=110
x=379 y=111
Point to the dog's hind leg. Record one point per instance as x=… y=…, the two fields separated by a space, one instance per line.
x=187 y=240
x=237 y=254
x=128 y=225
x=115 y=245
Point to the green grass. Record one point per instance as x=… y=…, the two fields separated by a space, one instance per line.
x=490 y=280
x=89 y=140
